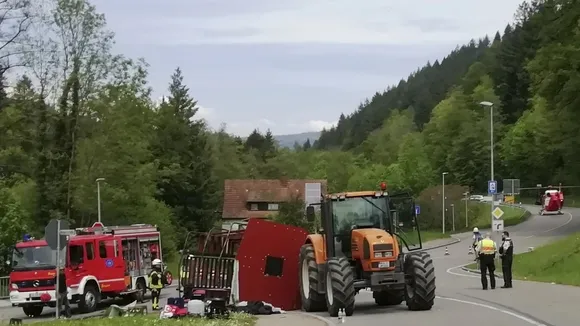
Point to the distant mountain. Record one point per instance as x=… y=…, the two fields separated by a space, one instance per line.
x=289 y=140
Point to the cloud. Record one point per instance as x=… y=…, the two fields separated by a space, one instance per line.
x=332 y=21
x=312 y=125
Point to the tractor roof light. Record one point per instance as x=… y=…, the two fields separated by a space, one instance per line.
x=383 y=186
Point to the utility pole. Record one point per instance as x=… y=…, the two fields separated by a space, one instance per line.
x=466 y=219
x=443 y=199
x=99 y=197
x=490 y=106
x=453 y=215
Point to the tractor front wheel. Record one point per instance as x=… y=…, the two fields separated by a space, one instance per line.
x=388 y=298
x=420 y=281
x=312 y=300
x=339 y=287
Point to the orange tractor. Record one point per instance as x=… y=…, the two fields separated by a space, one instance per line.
x=360 y=246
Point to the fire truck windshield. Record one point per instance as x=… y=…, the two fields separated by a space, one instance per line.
x=31 y=258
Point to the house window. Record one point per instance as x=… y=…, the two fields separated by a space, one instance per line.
x=272 y=207
x=254 y=207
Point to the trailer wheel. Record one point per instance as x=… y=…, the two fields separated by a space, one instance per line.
x=90 y=299
x=339 y=286
x=420 y=281
x=32 y=310
x=388 y=298
x=312 y=300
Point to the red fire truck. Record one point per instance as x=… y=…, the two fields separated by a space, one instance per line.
x=100 y=262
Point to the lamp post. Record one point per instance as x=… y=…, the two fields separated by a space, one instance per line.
x=490 y=106
x=99 y=196
x=466 y=194
x=443 y=199
x=453 y=216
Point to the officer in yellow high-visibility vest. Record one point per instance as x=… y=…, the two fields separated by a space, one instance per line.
x=155 y=283
x=486 y=250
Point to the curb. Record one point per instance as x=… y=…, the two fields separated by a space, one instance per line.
x=327 y=321
x=475 y=271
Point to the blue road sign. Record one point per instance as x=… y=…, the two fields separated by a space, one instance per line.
x=417 y=209
x=492 y=187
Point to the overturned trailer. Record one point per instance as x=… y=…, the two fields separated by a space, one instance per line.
x=258 y=262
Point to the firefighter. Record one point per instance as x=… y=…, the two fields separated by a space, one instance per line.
x=155 y=283
x=506 y=252
x=486 y=250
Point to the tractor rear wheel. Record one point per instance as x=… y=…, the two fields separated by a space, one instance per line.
x=388 y=298
x=312 y=300
x=339 y=287
x=420 y=281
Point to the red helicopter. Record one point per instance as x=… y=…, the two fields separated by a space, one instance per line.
x=551 y=200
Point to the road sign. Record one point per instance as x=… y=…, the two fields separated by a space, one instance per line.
x=511 y=186
x=497 y=213
x=492 y=187
x=498 y=225
x=68 y=233
x=51 y=232
x=417 y=209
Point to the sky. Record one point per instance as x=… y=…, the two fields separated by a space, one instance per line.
x=293 y=65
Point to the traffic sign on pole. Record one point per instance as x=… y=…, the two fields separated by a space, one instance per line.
x=497 y=213
x=417 y=209
x=498 y=225
x=51 y=234
x=492 y=187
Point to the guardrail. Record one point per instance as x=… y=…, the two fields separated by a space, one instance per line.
x=4 y=287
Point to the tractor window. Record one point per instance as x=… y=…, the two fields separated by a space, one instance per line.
x=358 y=211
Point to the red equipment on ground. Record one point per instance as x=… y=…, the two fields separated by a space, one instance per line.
x=255 y=263
x=100 y=262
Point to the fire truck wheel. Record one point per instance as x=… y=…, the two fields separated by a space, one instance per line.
x=32 y=311
x=90 y=299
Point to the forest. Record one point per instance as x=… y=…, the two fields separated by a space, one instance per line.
x=81 y=112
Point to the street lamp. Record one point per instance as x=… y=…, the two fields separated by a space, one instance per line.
x=99 y=196
x=466 y=194
x=443 y=199
x=490 y=106
x=453 y=216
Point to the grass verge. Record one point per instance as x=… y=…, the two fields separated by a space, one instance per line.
x=557 y=262
x=234 y=320
x=512 y=215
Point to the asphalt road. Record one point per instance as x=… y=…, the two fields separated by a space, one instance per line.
x=7 y=312
x=461 y=301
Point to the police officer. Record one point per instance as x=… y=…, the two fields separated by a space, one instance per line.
x=486 y=250
x=506 y=252
x=155 y=283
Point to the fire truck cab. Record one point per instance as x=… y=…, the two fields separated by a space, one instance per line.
x=99 y=262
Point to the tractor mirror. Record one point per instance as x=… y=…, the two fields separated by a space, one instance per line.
x=310 y=213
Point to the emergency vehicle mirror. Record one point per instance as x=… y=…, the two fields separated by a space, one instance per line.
x=310 y=213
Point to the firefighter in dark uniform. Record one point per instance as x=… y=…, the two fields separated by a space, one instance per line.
x=155 y=283
x=506 y=252
x=486 y=250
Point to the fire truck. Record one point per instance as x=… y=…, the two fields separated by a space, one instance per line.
x=99 y=262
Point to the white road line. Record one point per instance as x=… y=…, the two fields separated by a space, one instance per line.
x=552 y=229
x=460 y=274
x=507 y=312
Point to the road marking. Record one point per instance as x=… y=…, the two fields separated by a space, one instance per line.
x=507 y=312
x=460 y=274
x=322 y=319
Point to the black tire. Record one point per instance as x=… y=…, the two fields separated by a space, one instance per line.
x=339 y=286
x=32 y=310
x=389 y=298
x=312 y=301
x=139 y=296
x=90 y=299
x=420 y=281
